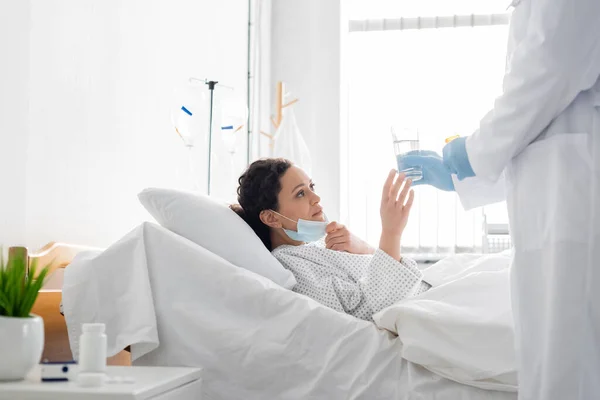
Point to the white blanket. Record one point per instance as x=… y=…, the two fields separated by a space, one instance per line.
x=112 y=287
x=461 y=328
x=177 y=304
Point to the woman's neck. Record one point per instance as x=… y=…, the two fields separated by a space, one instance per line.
x=279 y=238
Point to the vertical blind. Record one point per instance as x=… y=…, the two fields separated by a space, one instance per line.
x=416 y=74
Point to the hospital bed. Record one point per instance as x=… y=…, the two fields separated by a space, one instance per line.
x=174 y=303
x=57 y=256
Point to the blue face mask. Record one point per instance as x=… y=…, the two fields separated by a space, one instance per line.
x=307 y=231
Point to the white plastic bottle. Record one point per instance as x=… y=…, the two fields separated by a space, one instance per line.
x=92 y=349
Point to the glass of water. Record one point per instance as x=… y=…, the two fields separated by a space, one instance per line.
x=406 y=140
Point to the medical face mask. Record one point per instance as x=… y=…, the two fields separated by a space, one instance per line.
x=307 y=231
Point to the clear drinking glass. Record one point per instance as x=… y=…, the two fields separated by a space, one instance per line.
x=406 y=140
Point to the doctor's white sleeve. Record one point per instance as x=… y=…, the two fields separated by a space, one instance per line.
x=558 y=58
x=477 y=192
x=326 y=276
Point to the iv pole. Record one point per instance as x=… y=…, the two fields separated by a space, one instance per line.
x=211 y=87
x=248 y=87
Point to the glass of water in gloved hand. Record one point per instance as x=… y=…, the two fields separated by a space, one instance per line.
x=406 y=140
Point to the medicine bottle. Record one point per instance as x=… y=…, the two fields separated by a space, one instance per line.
x=92 y=348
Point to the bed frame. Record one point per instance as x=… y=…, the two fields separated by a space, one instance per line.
x=47 y=305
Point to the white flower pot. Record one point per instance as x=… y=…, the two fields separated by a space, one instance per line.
x=21 y=346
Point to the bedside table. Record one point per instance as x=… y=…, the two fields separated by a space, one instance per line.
x=156 y=383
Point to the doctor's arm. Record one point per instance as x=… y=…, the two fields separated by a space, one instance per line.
x=558 y=59
x=476 y=192
x=473 y=191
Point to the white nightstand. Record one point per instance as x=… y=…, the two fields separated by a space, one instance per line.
x=156 y=383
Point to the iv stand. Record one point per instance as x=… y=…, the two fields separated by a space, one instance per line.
x=211 y=87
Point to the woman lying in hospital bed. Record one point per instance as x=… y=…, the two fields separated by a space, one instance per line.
x=330 y=264
x=454 y=318
x=179 y=300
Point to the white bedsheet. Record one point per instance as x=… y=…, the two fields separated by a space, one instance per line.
x=462 y=328
x=178 y=304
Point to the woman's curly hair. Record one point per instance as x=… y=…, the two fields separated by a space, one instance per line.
x=258 y=189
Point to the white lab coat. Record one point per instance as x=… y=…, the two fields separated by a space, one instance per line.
x=543 y=136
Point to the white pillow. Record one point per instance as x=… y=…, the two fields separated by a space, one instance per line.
x=217 y=228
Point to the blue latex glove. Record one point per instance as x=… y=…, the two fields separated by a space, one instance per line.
x=435 y=173
x=456 y=158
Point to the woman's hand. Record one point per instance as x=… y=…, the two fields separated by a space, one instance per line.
x=396 y=202
x=341 y=239
x=395 y=207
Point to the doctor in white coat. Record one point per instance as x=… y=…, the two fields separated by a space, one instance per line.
x=543 y=138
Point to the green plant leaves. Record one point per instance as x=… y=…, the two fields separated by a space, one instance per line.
x=19 y=285
x=3 y=302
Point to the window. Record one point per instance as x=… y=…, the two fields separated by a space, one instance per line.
x=440 y=81
x=360 y=9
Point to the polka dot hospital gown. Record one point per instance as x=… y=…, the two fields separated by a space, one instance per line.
x=358 y=284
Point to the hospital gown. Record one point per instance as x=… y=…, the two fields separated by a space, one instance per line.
x=358 y=284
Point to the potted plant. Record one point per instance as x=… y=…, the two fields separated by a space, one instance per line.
x=21 y=333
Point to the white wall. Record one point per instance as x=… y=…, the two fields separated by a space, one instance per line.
x=306 y=55
x=100 y=77
x=85 y=112
x=14 y=76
